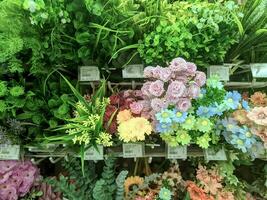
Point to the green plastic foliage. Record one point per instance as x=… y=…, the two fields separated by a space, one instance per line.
x=120 y=185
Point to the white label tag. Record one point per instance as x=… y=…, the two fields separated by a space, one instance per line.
x=133 y=150
x=259 y=70
x=133 y=71
x=9 y=152
x=213 y=154
x=89 y=73
x=93 y=154
x=179 y=152
x=221 y=71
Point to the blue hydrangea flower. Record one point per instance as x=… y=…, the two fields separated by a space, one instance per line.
x=230 y=125
x=204 y=111
x=163 y=127
x=245 y=105
x=232 y=99
x=165 y=116
x=238 y=143
x=179 y=116
x=165 y=194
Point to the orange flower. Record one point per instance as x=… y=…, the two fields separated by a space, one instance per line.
x=123 y=116
x=241 y=116
x=196 y=193
x=258 y=99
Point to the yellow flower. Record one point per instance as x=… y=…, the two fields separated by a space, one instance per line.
x=124 y=116
x=135 y=129
x=131 y=181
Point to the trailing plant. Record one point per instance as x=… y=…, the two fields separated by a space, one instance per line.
x=120 y=185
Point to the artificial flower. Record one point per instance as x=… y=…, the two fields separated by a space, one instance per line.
x=178 y=65
x=214 y=82
x=230 y=124
x=104 y=139
x=259 y=99
x=195 y=192
x=148 y=72
x=158 y=104
x=156 y=88
x=241 y=116
x=131 y=181
x=135 y=129
x=145 y=89
x=226 y=195
x=191 y=69
x=182 y=137
x=200 y=78
x=247 y=135
x=245 y=105
x=165 y=194
x=184 y=104
x=136 y=107
x=258 y=115
x=232 y=99
x=123 y=116
x=239 y=143
x=165 y=74
x=203 y=141
x=204 y=111
x=189 y=123
x=193 y=91
x=176 y=88
x=163 y=127
x=165 y=116
x=179 y=117
x=204 y=124
x=261 y=132
x=169 y=139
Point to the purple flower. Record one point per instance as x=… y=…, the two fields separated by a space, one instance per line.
x=156 y=88
x=156 y=72
x=158 y=104
x=194 y=91
x=200 y=78
x=165 y=74
x=28 y=180
x=7 y=165
x=178 y=65
x=8 y=192
x=191 y=69
x=137 y=93
x=176 y=89
x=171 y=99
x=5 y=177
x=148 y=72
x=145 y=88
x=136 y=107
x=181 y=78
x=183 y=104
x=146 y=105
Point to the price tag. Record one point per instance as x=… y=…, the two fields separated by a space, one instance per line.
x=179 y=152
x=89 y=73
x=259 y=70
x=9 y=152
x=219 y=70
x=214 y=154
x=93 y=154
x=133 y=71
x=133 y=150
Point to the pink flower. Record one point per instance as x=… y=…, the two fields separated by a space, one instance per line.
x=146 y=105
x=136 y=107
x=127 y=93
x=200 y=78
x=137 y=93
x=156 y=72
x=226 y=196
x=258 y=115
x=146 y=115
x=148 y=72
x=171 y=99
x=145 y=88
x=7 y=165
x=28 y=180
x=191 y=69
x=182 y=78
x=156 y=88
x=176 y=89
x=261 y=132
x=158 y=104
x=178 y=65
x=193 y=91
x=183 y=104
x=5 y=177
x=8 y=192
x=165 y=74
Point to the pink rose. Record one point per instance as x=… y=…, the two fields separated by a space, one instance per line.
x=156 y=88
x=158 y=104
x=193 y=91
x=137 y=93
x=145 y=88
x=171 y=99
x=136 y=107
x=182 y=78
x=191 y=69
x=200 y=78
x=146 y=105
x=178 y=65
x=156 y=72
x=148 y=72
x=165 y=74
x=183 y=104
x=176 y=89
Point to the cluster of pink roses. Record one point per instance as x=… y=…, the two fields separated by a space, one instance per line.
x=16 y=179
x=176 y=84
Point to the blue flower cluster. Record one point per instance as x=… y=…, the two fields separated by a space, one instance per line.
x=240 y=137
x=167 y=118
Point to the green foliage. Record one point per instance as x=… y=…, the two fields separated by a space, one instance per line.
x=252 y=46
x=120 y=185
x=200 y=31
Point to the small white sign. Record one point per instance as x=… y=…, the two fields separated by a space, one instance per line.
x=89 y=73
x=133 y=150
x=178 y=152
x=133 y=71
x=9 y=152
x=219 y=70
x=259 y=70
x=214 y=154
x=93 y=154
